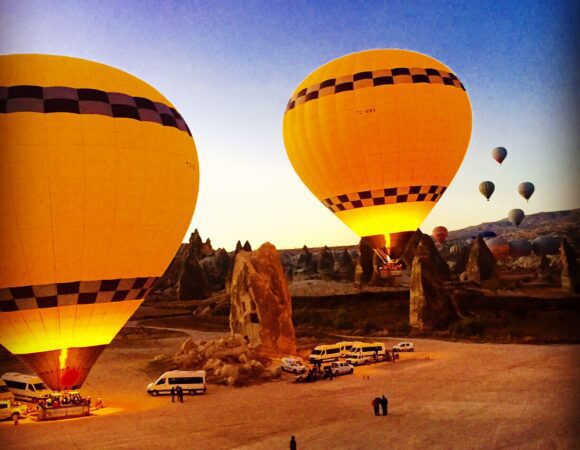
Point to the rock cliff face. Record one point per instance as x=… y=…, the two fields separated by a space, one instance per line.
x=261 y=307
x=192 y=283
x=430 y=307
x=326 y=264
x=481 y=265
x=569 y=273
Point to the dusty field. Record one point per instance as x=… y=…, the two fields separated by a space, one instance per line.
x=446 y=395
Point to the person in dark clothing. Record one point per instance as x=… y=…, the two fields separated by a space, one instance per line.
x=385 y=405
x=292 y=443
x=180 y=394
x=376 y=402
x=172 y=394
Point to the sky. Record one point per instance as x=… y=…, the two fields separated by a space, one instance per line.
x=230 y=67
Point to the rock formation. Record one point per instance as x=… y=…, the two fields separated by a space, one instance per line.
x=408 y=253
x=247 y=247
x=569 y=271
x=306 y=262
x=261 y=307
x=430 y=307
x=206 y=249
x=326 y=263
x=344 y=267
x=481 y=265
x=192 y=283
x=365 y=261
x=216 y=268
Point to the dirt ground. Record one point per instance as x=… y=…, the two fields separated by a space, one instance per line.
x=445 y=395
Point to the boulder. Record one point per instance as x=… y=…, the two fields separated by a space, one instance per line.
x=569 y=271
x=188 y=346
x=430 y=307
x=261 y=307
x=481 y=265
x=326 y=263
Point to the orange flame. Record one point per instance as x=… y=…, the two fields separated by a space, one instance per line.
x=63 y=357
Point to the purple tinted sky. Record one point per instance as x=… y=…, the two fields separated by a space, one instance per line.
x=230 y=67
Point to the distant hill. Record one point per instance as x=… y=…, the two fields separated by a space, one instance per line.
x=557 y=223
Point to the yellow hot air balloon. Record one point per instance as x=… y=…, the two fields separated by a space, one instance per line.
x=99 y=180
x=377 y=136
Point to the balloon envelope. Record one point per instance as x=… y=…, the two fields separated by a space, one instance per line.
x=440 y=233
x=546 y=245
x=526 y=189
x=99 y=182
x=486 y=188
x=516 y=216
x=499 y=247
x=520 y=247
x=369 y=135
x=499 y=154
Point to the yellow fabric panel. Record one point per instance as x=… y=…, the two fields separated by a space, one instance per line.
x=380 y=137
x=44 y=329
x=52 y=70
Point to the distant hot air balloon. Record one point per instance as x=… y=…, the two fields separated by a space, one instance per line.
x=520 y=247
x=546 y=245
x=499 y=247
x=100 y=180
x=439 y=234
x=486 y=188
x=369 y=135
x=499 y=154
x=516 y=216
x=526 y=189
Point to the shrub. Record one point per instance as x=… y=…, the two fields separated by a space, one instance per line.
x=468 y=327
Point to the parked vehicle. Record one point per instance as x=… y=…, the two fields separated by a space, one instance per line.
x=404 y=347
x=28 y=388
x=11 y=410
x=324 y=353
x=5 y=393
x=345 y=347
x=192 y=382
x=341 y=368
x=373 y=350
x=293 y=365
x=358 y=359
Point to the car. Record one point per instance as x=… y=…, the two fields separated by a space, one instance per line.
x=341 y=368
x=358 y=360
x=293 y=365
x=11 y=410
x=404 y=347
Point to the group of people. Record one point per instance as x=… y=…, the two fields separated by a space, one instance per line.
x=380 y=403
x=64 y=399
x=316 y=373
x=177 y=391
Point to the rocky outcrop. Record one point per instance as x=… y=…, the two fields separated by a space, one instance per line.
x=481 y=265
x=216 y=268
x=326 y=264
x=430 y=307
x=229 y=361
x=408 y=253
x=569 y=268
x=192 y=283
x=306 y=262
x=206 y=249
x=261 y=307
x=344 y=267
x=247 y=247
x=366 y=262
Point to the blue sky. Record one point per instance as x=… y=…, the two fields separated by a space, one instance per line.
x=230 y=67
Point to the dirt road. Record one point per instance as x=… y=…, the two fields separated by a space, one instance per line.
x=445 y=395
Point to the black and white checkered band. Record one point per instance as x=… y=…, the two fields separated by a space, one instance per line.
x=374 y=78
x=56 y=99
x=386 y=196
x=74 y=293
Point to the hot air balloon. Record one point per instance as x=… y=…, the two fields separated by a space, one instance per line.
x=486 y=188
x=370 y=135
x=520 y=247
x=499 y=247
x=439 y=234
x=546 y=245
x=499 y=154
x=526 y=189
x=99 y=182
x=516 y=216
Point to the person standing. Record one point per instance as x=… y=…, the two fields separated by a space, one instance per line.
x=385 y=405
x=376 y=402
x=180 y=394
x=292 y=443
x=172 y=394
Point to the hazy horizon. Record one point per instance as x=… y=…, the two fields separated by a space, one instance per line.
x=230 y=68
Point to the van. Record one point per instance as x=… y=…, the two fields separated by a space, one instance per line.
x=324 y=353
x=27 y=388
x=5 y=393
x=370 y=350
x=192 y=382
x=345 y=347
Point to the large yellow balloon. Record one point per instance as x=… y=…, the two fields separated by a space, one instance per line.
x=98 y=183
x=377 y=136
